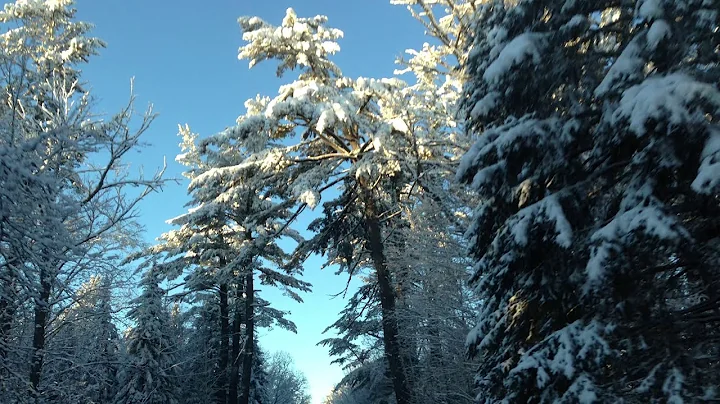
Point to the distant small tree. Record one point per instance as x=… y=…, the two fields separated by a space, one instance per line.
x=285 y=384
x=151 y=375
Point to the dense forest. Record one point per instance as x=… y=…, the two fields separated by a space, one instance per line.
x=531 y=203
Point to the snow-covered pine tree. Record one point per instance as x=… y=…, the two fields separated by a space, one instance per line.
x=597 y=236
x=358 y=346
x=424 y=216
x=436 y=307
x=434 y=311
x=151 y=375
x=367 y=383
x=199 y=251
x=345 y=395
x=330 y=131
x=226 y=241
x=198 y=356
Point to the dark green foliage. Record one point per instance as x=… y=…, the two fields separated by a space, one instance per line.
x=596 y=239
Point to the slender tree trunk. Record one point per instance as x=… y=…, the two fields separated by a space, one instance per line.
x=221 y=386
x=8 y=306
x=249 y=337
x=235 y=366
x=42 y=309
x=6 y=316
x=7 y=313
x=387 y=302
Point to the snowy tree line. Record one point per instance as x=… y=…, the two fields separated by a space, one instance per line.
x=571 y=147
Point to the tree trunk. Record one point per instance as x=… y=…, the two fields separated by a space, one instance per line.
x=221 y=386
x=249 y=337
x=8 y=306
x=42 y=308
x=387 y=302
x=235 y=366
x=7 y=312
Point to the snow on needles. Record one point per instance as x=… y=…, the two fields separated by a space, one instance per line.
x=564 y=351
x=547 y=210
x=651 y=9
x=657 y=32
x=517 y=51
x=642 y=215
x=628 y=66
x=673 y=99
x=708 y=176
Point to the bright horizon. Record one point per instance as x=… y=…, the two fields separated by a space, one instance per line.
x=184 y=61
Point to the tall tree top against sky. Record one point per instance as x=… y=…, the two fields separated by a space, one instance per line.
x=183 y=56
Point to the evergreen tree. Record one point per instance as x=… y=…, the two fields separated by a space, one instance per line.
x=225 y=242
x=422 y=230
x=151 y=374
x=434 y=312
x=361 y=146
x=597 y=165
x=365 y=384
x=437 y=308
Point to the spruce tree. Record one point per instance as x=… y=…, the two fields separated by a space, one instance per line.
x=151 y=374
x=596 y=241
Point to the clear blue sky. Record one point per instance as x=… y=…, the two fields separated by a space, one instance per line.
x=183 y=55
